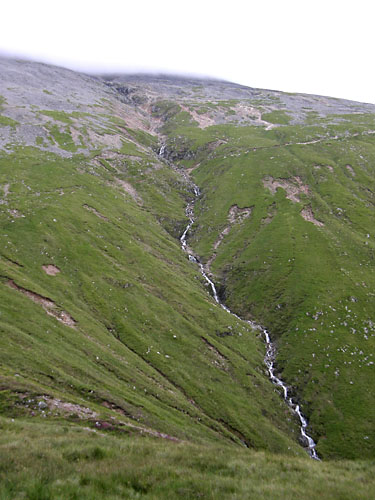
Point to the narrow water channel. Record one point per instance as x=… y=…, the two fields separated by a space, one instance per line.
x=270 y=351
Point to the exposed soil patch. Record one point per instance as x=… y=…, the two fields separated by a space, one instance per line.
x=116 y=426
x=94 y=211
x=112 y=406
x=12 y=261
x=293 y=187
x=191 y=169
x=349 y=168
x=308 y=215
x=51 y=270
x=49 y=406
x=130 y=190
x=223 y=233
x=267 y=220
x=319 y=167
x=48 y=305
x=134 y=118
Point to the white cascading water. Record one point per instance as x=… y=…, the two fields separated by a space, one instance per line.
x=270 y=352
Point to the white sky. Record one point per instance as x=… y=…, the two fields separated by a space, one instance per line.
x=320 y=47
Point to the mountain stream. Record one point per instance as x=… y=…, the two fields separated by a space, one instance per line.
x=270 y=348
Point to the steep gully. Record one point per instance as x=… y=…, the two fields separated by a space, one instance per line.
x=269 y=358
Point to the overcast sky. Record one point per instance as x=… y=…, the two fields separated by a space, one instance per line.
x=319 y=47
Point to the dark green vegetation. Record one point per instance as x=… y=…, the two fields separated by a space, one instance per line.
x=106 y=326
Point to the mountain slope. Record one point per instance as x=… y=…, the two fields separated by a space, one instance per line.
x=101 y=308
x=300 y=257
x=106 y=324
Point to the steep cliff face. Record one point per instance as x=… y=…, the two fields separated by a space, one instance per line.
x=102 y=310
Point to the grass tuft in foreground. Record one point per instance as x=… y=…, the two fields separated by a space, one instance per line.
x=49 y=461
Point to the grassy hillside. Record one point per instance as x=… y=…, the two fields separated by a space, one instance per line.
x=303 y=262
x=111 y=345
x=100 y=307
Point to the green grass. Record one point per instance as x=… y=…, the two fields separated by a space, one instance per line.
x=44 y=461
x=278 y=117
x=2 y=102
x=62 y=116
x=62 y=137
x=150 y=352
x=7 y=122
x=285 y=271
x=141 y=309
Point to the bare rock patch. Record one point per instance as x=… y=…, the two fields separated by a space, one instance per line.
x=15 y=213
x=292 y=186
x=95 y=212
x=308 y=215
x=203 y=119
x=48 y=404
x=70 y=408
x=237 y=214
x=108 y=140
